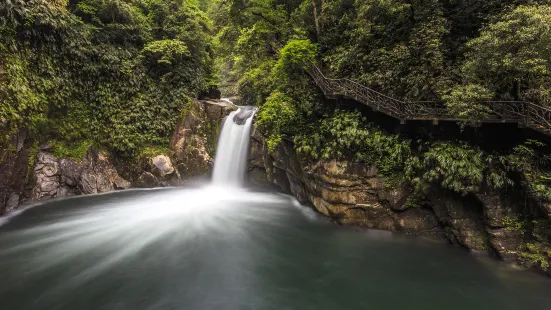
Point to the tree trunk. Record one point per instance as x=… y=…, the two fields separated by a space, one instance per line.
x=316 y=21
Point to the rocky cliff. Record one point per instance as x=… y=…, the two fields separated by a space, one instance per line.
x=14 y=170
x=29 y=172
x=356 y=194
x=59 y=177
x=193 y=144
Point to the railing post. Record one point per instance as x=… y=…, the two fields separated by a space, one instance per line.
x=526 y=112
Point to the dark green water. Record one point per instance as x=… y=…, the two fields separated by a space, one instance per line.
x=216 y=249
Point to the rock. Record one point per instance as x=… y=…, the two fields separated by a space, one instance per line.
x=195 y=138
x=13 y=202
x=88 y=182
x=462 y=220
x=162 y=166
x=396 y=198
x=216 y=111
x=120 y=183
x=348 y=192
x=241 y=117
x=506 y=243
x=54 y=177
x=419 y=221
x=46 y=176
x=147 y=180
x=70 y=171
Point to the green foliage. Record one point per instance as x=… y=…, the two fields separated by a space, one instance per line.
x=467 y=101
x=347 y=135
x=513 y=223
x=394 y=46
x=149 y=151
x=512 y=55
x=73 y=150
x=33 y=156
x=456 y=167
x=297 y=54
x=115 y=73
x=533 y=161
x=535 y=255
x=166 y=51
x=277 y=117
x=11 y=11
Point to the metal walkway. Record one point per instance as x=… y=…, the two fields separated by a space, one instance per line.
x=525 y=114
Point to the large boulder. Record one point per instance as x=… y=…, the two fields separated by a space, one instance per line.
x=55 y=177
x=159 y=171
x=162 y=165
x=147 y=180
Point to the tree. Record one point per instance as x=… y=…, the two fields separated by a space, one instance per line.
x=512 y=56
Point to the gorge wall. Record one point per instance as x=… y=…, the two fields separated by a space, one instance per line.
x=31 y=172
x=356 y=194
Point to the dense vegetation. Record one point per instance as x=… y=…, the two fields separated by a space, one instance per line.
x=105 y=72
x=117 y=74
x=462 y=52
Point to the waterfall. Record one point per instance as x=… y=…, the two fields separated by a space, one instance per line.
x=233 y=148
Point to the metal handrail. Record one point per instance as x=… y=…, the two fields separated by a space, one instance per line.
x=522 y=112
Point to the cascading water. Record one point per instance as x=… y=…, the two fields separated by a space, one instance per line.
x=233 y=147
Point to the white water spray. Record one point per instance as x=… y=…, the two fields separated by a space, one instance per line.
x=233 y=148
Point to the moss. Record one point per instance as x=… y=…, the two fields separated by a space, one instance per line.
x=188 y=107
x=513 y=223
x=535 y=255
x=152 y=150
x=541 y=229
x=210 y=131
x=33 y=154
x=7 y=147
x=480 y=242
x=72 y=150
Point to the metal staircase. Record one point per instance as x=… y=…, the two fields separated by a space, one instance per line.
x=525 y=114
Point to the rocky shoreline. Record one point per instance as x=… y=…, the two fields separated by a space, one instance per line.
x=189 y=156
x=356 y=194
x=349 y=193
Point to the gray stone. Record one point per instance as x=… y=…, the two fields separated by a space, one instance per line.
x=147 y=180
x=70 y=172
x=13 y=202
x=162 y=166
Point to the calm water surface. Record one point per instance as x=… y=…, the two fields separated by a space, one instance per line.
x=212 y=248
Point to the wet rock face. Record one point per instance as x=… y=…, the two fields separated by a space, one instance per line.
x=54 y=177
x=349 y=193
x=355 y=194
x=14 y=168
x=195 y=138
x=241 y=117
